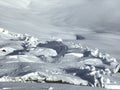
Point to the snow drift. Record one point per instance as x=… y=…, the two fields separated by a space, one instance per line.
x=24 y=58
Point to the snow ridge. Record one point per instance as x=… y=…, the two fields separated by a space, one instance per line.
x=24 y=58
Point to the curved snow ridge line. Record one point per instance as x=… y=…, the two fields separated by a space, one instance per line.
x=106 y=58
x=40 y=77
x=94 y=53
x=29 y=40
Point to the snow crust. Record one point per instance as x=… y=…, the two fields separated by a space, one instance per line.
x=24 y=58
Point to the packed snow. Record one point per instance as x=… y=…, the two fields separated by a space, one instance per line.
x=43 y=86
x=59 y=44
x=24 y=58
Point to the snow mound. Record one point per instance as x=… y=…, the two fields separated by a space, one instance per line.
x=24 y=58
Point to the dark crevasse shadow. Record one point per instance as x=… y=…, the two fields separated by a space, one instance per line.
x=60 y=48
x=17 y=52
x=119 y=71
x=21 y=51
x=79 y=37
x=83 y=74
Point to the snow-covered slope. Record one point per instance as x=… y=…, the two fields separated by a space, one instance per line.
x=26 y=59
x=53 y=19
x=56 y=54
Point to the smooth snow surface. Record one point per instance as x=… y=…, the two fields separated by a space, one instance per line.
x=26 y=59
x=42 y=86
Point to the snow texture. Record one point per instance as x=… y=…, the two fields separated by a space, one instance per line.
x=58 y=44
x=24 y=58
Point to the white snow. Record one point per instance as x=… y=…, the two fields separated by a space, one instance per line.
x=47 y=49
x=61 y=63
x=44 y=51
x=51 y=88
x=76 y=54
x=7 y=88
x=114 y=87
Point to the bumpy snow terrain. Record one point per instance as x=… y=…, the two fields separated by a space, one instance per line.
x=59 y=44
x=24 y=58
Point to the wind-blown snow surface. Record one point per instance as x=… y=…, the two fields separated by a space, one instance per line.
x=26 y=59
x=96 y=20
x=42 y=86
x=94 y=23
